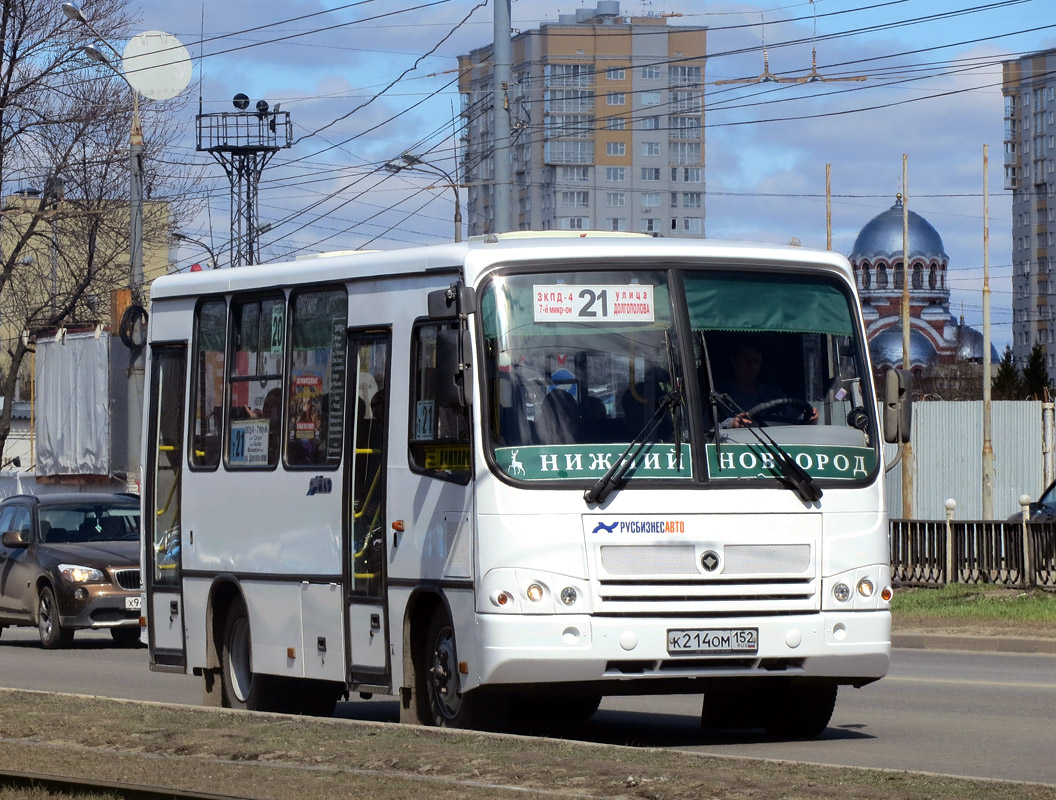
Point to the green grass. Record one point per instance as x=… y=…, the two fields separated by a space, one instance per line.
x=962 y=604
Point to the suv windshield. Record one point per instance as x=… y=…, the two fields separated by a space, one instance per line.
x=576 y=363
x=95 y=522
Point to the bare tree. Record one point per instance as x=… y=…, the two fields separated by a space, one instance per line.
x=64 y=174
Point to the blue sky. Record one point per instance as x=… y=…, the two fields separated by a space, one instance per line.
x=932 y=91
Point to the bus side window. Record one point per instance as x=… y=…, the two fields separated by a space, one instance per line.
x=255 y=369
x=210 y=335
x=316 y=383
x=439 y=435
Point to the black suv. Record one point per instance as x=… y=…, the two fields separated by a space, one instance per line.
x=70 y=562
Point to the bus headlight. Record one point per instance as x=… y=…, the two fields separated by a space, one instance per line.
x=865 y=587
x=842 y=592
x=532 y=591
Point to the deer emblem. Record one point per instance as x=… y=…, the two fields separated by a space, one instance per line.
x=516 y=467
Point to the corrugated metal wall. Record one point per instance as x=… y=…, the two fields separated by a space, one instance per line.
x=948 y=454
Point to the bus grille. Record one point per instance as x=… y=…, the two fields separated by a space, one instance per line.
x=670 y=579
x=127 y=578
x=708 y=598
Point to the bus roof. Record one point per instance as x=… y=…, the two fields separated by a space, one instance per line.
x=481 y=254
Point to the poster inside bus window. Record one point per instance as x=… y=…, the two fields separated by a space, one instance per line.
x=308 y=404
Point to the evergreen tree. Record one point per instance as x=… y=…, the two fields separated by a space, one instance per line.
x=1007 y=385
x=1036 y=383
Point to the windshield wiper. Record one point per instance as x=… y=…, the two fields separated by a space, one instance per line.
x=711 y=390
x=676 y=416
x=605 y=484
x=793 y=475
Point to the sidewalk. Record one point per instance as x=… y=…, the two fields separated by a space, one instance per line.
x=926 y=640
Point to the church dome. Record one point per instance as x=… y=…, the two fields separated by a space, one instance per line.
x=881 y=238
x=885 y=348
x=970 y=344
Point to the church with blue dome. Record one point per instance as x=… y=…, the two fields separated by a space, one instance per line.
x=936 y=338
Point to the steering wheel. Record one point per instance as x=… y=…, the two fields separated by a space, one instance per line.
x=763 y=411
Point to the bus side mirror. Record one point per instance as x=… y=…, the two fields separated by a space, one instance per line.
x=898 y=406
x=455 y=301
x=451 y=368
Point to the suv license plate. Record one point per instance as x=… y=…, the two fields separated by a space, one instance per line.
x=134 y=602
x=714 y=641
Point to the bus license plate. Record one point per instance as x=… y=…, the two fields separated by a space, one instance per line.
x=714 y=641
x=133 y=602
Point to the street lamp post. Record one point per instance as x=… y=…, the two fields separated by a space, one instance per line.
x=416 y=164
x=134 y=396
x=135 y=151
x=184 y=238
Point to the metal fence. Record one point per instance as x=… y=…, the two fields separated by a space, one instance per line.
x=933 y=553
x=947 y=457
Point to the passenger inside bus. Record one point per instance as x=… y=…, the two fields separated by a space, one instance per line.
x=558 y=418
x=272 y=412
x=638 y=403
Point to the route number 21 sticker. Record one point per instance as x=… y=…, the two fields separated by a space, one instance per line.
x=564 y=303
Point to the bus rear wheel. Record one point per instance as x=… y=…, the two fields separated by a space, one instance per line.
x=240 y=686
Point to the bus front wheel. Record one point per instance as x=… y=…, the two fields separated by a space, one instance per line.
x=799 y=712
x=447 y=705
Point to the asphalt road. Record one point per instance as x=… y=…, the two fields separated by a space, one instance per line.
x=983 y=715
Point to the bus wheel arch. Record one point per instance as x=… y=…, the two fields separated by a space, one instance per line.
x=422 y=606
x=437 y=698
x=224 y=592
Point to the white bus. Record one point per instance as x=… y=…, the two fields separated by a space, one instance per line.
x=512 y=476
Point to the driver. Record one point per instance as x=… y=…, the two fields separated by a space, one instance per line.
x=746 y=390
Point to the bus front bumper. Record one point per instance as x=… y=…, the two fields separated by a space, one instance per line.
x=850 y=647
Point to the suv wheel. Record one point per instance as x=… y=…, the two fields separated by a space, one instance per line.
x=52 y=634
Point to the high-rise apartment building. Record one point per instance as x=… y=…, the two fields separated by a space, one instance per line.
x=1029 y=88
x=607 y=120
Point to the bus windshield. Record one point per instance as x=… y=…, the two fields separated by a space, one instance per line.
x=579 y=364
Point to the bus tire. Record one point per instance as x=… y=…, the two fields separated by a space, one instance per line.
x=557 y=709
x=730 y=709
x=799 y=712
x=446 y=706
x=240 y=686
x=576 y=708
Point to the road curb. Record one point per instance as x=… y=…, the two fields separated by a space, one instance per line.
x=979 y=644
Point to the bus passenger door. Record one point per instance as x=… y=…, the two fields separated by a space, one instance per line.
x=161 y=520
x=365 y=540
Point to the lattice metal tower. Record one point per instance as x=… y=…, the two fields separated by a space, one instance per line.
x=243 y=142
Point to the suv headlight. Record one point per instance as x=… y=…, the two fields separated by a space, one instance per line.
x=75 y=573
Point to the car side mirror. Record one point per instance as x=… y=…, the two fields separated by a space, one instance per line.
x=14 y=539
